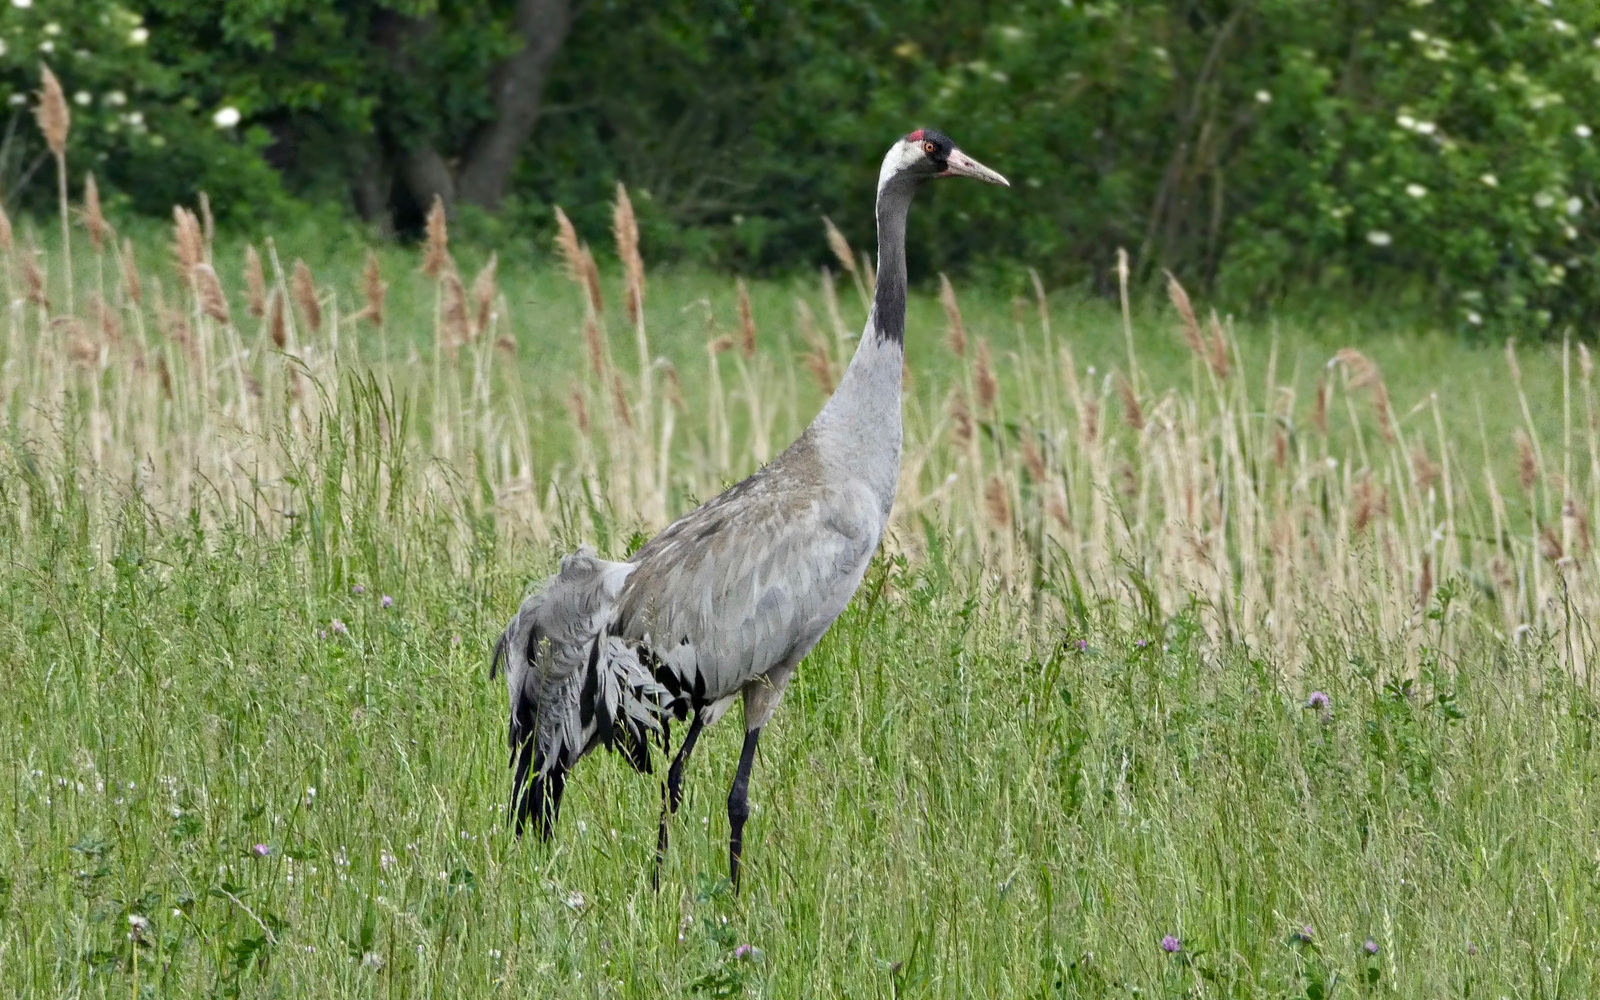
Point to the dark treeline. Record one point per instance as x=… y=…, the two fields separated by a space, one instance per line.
x=1440 y=149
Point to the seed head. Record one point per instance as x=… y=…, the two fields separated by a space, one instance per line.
x=955 y=330
x=255 y=284
x=436 y=259
x=93 y=220
x=55 y=118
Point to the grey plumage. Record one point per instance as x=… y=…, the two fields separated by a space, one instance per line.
x=729 y=598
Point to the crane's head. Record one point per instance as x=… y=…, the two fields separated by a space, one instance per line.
x=928 y=153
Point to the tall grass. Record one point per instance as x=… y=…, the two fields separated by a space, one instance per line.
x=257 y=527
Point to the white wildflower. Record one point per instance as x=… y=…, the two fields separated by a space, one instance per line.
x=47 y=46
x=1416 y=191
x=139 y=35
x=575 y=900
x=1574 y=206
x=1474 y=318
x=1426 y=128
x=22 y=4
x=226 y=117
x=1379 y=238
x=52 y=29
x=1560 y=27
x=1582 y=131
x=1406 y=122
x=1490 y=180
x=83 y=98
x=1263 y=97
x=1544 y=199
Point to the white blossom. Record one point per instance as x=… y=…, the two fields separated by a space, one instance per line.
x=1379 y=238
x=1426 y=128
x=115 y=98
x=1544 y=199
x=1574 y=206
x=52 y=29
x=1559 y=26
x=1490 y=180
x=1474 y=318
x=1416 y=191
x=47 y=46
x=1263 y=97
x=1406 y=122
x=1582 y=131
x=226 y=117
x=83 y=98
x=22 y=4
x=139 y=35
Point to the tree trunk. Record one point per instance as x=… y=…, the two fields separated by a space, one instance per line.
x=518 y=87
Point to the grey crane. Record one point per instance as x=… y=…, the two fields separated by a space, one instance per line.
x=730 y=597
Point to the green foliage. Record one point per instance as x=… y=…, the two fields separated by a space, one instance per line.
x=138 y=123
x=1439 y=152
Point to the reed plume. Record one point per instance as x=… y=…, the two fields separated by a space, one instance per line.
x=454 y=316
x=7 y=239
x=984 y=382
x=955 y=331
x=374 y=289
x=997 y=504
x=747 y=322
x=436 y=257
x=212 y=300
x=1132 y=412
x=483 y=293
x=305 y=296
x=1191 y=326
x=840 y=247
x=188 y=247
x=55 y=121
x=625 y=229
x=93 y=219
x=277 y=322
x=255 y=283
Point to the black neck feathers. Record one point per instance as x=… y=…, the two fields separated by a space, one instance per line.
x=889 y=300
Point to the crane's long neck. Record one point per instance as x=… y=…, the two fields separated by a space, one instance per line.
x=859 y=429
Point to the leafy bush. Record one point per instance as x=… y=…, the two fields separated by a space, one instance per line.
x=1436 y=151
x=135 y=122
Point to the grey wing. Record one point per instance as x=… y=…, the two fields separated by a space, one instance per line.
x=735 y=589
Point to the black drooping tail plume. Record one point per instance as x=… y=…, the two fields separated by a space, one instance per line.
x=574 y=688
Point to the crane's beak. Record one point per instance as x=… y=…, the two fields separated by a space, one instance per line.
x=962 y=165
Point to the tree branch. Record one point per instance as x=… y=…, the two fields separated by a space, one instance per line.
x=518 y=86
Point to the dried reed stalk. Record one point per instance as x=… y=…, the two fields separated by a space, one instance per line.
x=7 y=239
x=1132 y=412
x=594 y=341
x=997 y=505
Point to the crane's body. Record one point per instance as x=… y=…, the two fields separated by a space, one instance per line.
x=729 y=598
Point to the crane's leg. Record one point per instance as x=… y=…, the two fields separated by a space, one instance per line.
x=672 y=791
x=739 y=804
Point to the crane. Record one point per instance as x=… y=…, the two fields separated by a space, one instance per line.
x=727 y=600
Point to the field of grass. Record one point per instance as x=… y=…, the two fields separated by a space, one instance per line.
x=1282 y=660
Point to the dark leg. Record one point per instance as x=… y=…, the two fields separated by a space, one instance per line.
x=672 y=791
x=739 y=804
x=541 y=803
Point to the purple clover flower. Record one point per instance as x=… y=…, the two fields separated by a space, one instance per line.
x=338 y=627
x=261 y=850
x=1320 y=701
x=358 y=590
x=1171 y=945
x=387 y=601
x=1371 y=947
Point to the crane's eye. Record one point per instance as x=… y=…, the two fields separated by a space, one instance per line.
x=928 y=147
